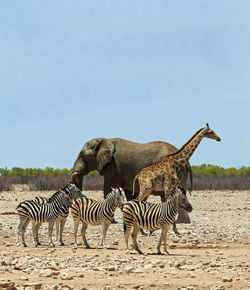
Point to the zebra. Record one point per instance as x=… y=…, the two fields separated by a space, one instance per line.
x=96 y=212
x=50 y=211
x=153 y=216
x=72 y=190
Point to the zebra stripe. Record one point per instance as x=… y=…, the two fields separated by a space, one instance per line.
x=52 y=209
x=95 y=212
x=153 y=216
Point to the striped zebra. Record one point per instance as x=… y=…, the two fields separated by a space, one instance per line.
x=72 y=190
x=153 y=216
x=96 y=212
x=30 y=210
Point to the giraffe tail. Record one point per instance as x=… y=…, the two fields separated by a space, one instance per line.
x=133 y=193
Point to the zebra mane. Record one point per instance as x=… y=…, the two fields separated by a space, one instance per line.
x=56 y=194
x=113 y=192
x=174 y=191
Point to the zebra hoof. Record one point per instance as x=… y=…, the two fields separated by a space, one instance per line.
x=25 y=245
x=62 y=244
x=87 y=246
x=140 y=252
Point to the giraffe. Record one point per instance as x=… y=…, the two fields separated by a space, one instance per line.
x=165 y=174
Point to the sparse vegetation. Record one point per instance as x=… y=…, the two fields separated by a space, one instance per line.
x=206 y=177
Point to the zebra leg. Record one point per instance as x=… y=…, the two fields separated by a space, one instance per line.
x=23 y=228
x=159 y=244
x=164 y=239
x=51 y=225
x=134 y=235
x=34 y=232
x=58 y=222
x=76 y=224
x=105 y=226
x=37 y=229
x=175 y=229
x=84 y=228
x=19 y=231
x=62 y=224
x=127 y=230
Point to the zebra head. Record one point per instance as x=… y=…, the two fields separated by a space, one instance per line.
x=119 y=196
x=72 y=190
x=65 y=199
x=183 y=201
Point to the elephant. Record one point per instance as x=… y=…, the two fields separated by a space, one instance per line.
x=119 y=160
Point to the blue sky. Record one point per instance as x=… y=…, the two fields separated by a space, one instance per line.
x=141 y=70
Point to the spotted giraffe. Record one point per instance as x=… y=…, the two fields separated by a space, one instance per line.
x=165 y=175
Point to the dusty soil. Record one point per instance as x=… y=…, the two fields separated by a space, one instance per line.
x=212 y=253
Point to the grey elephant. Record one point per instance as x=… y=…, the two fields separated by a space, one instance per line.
x=119 y=160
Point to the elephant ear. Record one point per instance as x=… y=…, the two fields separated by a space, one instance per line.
x=105 y=154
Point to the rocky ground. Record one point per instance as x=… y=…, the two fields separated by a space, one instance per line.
x=212 y=252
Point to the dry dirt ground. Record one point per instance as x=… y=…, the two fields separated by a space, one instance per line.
x=212 y=252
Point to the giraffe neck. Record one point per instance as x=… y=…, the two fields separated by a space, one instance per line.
x=188 y=149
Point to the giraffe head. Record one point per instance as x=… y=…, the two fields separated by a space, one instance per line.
x=211 y=134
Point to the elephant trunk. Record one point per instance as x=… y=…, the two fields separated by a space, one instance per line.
x=77 y=179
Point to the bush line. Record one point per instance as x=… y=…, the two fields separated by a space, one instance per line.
x=206 y=177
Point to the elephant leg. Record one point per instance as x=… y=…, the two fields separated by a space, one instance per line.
x=129 y=195
x=111 y=181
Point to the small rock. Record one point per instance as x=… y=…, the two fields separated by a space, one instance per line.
x=7 y=284
x=36 y=285
x=48 y=273
x=217 y=287
x=148 y=266
x=66 y=276
x=129 y=269
x=227 y=279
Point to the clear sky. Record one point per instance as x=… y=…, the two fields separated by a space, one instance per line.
x=144 y=70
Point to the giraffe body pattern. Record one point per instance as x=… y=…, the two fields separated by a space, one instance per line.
x=166 y=174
